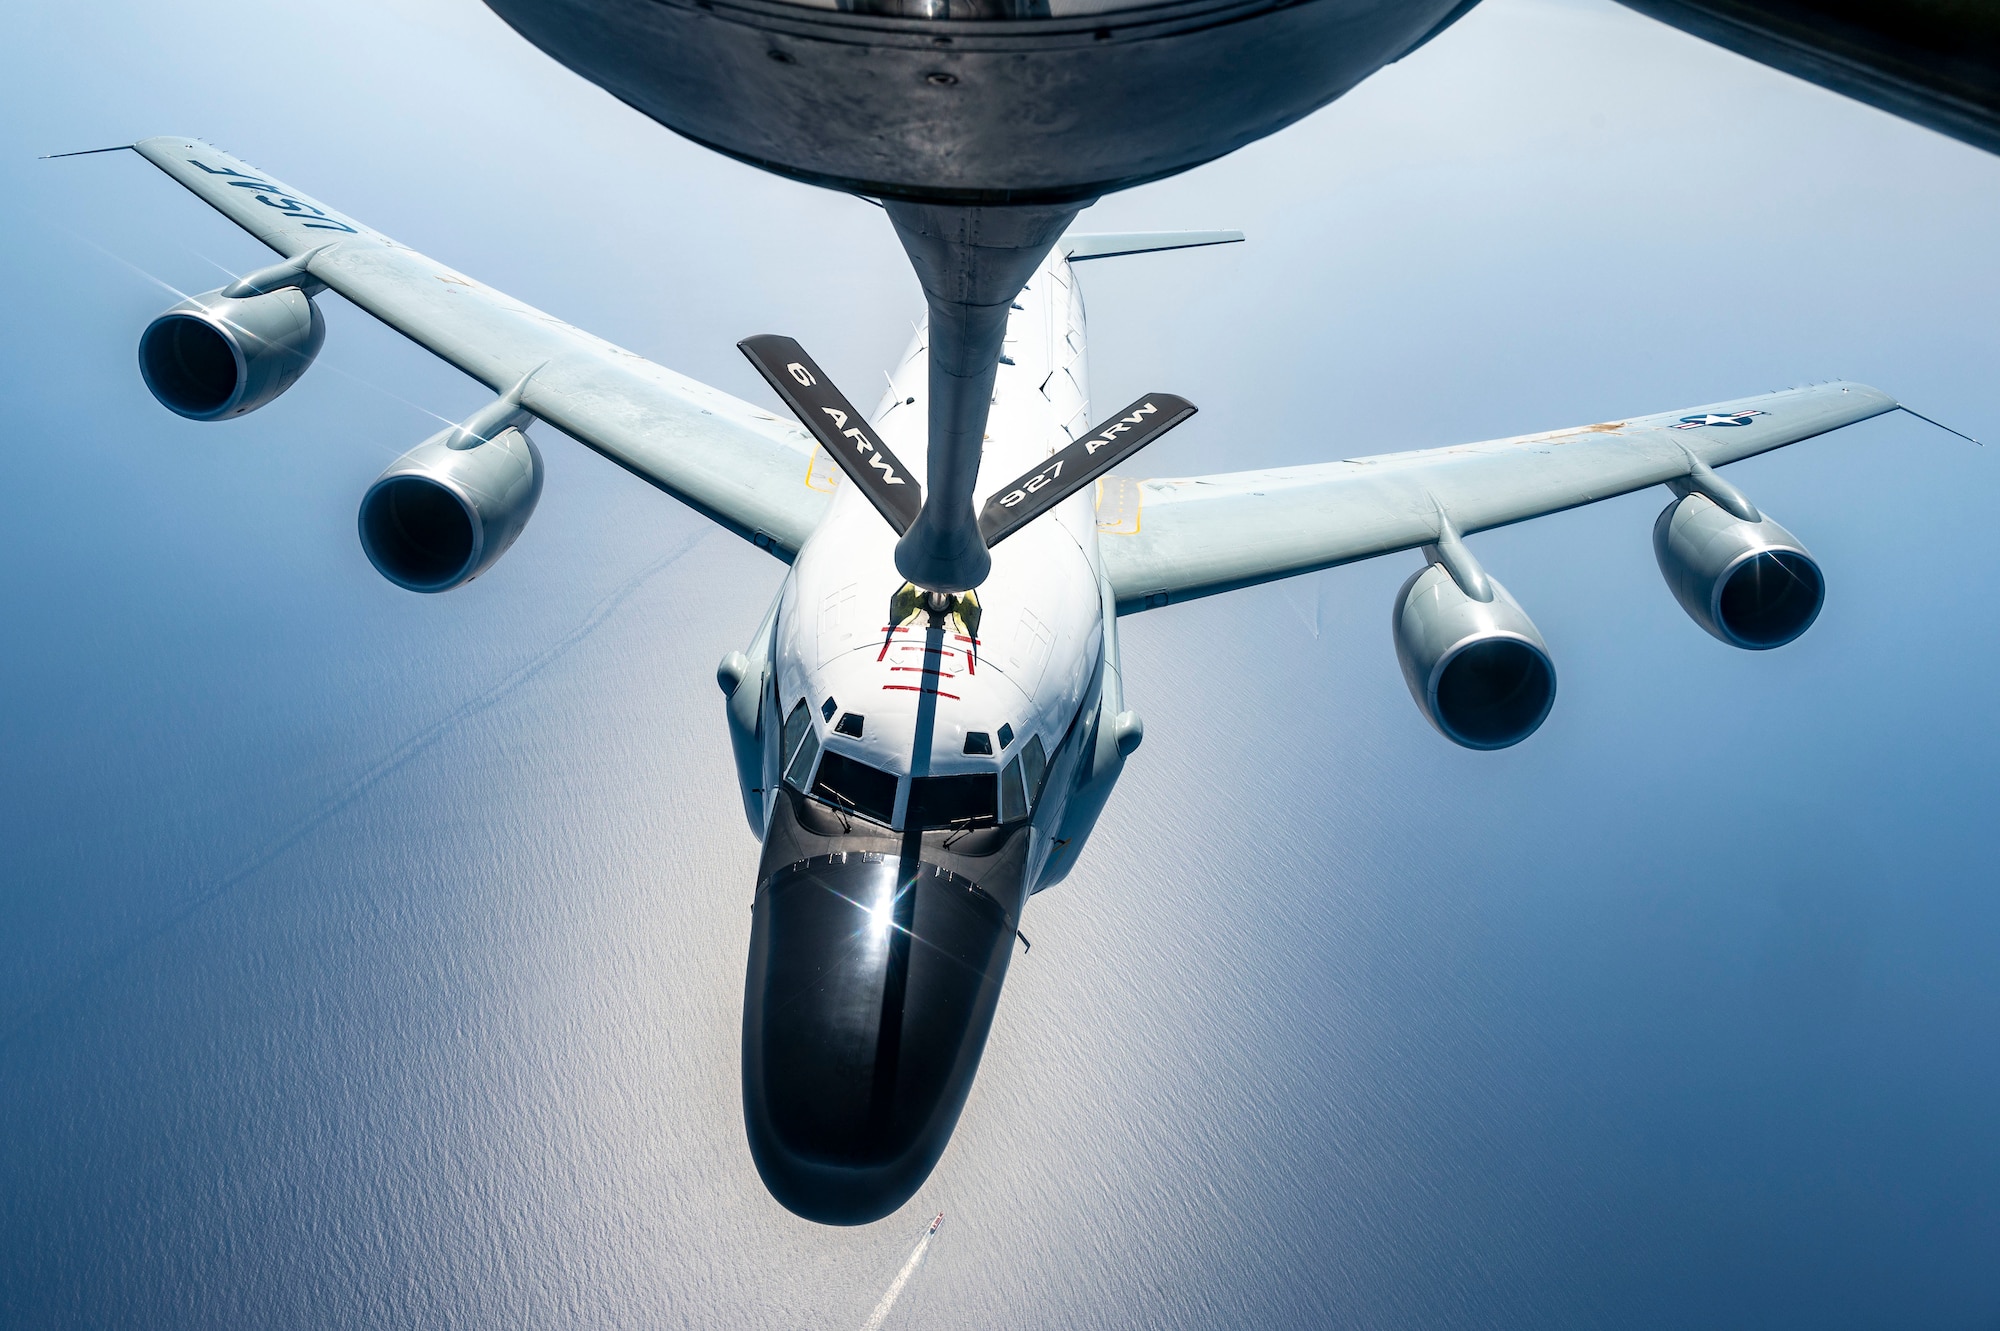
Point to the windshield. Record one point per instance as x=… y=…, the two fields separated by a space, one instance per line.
x=848 y=784
x=971 y=800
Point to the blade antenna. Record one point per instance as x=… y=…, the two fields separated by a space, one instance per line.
x=1940 y=424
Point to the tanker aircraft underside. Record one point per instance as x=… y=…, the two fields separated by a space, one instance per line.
x=918 y=759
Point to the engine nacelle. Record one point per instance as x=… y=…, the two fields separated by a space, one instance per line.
x=212 y=357
x=1479 y=670
x=441 y=515
x=1751 y=584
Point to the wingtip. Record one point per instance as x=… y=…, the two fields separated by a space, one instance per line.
x=1085 y=246
x=86 y=152
x=1940 y=424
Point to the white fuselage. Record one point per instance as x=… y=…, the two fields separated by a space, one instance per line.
x=1018 y=674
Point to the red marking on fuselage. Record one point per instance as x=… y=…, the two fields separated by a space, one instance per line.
x=912 y=688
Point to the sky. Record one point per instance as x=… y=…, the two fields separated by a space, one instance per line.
x=375 y=959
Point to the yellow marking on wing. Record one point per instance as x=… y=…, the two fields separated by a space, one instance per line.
x=821 y=473
x=1118 y=503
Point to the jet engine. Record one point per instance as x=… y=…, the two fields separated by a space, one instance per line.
x=447 y=509
x=1750 y=583
x=216 y=356
x=1478 y=669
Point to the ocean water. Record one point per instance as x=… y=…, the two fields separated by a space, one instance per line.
x=375 y=960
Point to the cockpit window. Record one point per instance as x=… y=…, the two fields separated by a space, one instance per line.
x=1013 y=800
x=827 y=709
x=799 y=770
x=847 y=783
x=850 y=724
x=1021 y=782
x=1006 y=734
x=1034 y=767
x=952 y=801
x=797 y=726
x=978 y=741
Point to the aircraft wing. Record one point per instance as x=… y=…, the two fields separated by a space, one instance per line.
x=734 y=462
x=1165 y=541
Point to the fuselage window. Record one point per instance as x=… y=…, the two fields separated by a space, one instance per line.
x=952 y=801
x=1013 y=800
x=850 y=724
x=847 y=783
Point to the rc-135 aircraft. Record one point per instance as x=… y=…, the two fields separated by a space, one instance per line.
x=918 y=762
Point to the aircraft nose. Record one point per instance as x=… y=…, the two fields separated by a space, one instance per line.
x=870 y=992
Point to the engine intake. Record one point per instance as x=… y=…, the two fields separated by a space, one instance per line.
x=1478 y=670
x=213 y=357
x=1751 y=584
x=441 y=515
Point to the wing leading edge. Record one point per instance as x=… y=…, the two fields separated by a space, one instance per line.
x=737 y=464
x=747 y=469
x=1200 y=535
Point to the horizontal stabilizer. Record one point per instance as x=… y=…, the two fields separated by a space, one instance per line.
x=1035 y=492
x=840 y=429
x=1112 y=245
